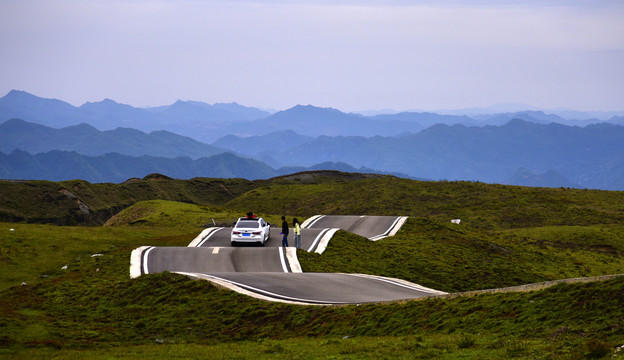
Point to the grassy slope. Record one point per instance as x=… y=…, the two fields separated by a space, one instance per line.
x=94 y=304
x=456 y=258
x=480 y=206
x=508 y=235
x=553 y=233
x=58 y=202
x=32 y=252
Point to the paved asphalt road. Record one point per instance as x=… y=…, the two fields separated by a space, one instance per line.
x=272 y=272
x=372 y=227
x=319 y=288
x=212 y=259
x=221 y=237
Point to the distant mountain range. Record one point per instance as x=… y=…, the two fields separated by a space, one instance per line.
x=550 y=178
x=65 y=165
x=591 y=156
x=518 y=152
x=208 y=123
x=189 y=118
x=87 y=140
x=524 y=148
x=112 y=167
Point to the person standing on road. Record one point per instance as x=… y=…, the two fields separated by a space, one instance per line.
x=284 y=232
x=297 y=233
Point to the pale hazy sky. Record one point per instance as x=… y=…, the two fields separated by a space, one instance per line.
x=350 y=55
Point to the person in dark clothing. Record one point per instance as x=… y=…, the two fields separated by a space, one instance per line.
x=284 y=232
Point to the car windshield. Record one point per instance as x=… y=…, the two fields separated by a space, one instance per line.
x=248 y=224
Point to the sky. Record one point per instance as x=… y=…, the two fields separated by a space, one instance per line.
x=349 y=55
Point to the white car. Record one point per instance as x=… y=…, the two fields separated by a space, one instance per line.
x=250 y=230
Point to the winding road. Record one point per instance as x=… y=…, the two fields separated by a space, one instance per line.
x=273 y=272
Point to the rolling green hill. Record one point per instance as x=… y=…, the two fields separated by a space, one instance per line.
x=80 y=202
x=78 y=301
x=479 y=205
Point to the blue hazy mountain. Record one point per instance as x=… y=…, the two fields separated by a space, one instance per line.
x=67 y=165
x=340 y=166
x=538 y=117
x=278 y=141
x=591 y=156
x=551 y=178
x=618 y=120
x=192 y=111
x=208 y=123
x=85 y=139
x=108 y=114
x=455 y=148
x=314 y=121
x=585 y=156
x=427 y=119
x=49 y=112
x=189 y=118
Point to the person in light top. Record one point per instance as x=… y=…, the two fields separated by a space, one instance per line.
x=297 y=233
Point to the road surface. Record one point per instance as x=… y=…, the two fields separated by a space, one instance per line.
x=273 y=273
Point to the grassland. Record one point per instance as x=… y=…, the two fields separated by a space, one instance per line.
x=508 y=236
x=456 y=258
x=78 y=202
x=480 y=206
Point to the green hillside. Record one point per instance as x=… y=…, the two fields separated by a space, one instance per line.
x=77 y=300
x=479 y=206
x=79 y=202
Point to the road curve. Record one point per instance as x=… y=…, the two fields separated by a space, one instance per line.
x=371 y=227
x=213 y=260
x=319 y=288
x=273 y=273
x=220 y=236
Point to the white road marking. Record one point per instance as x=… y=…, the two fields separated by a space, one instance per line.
x=392 y=230
x=402 y=283
x=209 y=236
x=325 y=240
x=203 y=236
x=317 y=239
x=229 y=285
x=398 y=225
x=135 y=262
x=293 y=261
x=215 y=250
x=255 y=292
x=311 y=221
x=282 y=259
x=145 y=269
